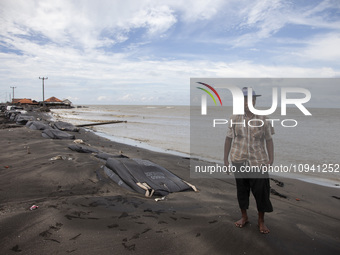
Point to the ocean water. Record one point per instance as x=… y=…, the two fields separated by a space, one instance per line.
x=313 y=143
x=160 y=128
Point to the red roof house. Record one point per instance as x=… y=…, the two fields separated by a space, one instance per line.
x=22 y=101
x=53 y=100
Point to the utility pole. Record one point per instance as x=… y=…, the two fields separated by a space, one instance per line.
x=13 y=92
x=43 y=79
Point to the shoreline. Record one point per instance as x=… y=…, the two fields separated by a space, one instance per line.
x=135 y=143
x=79 y=213
x=331 y=183
x=316 y=179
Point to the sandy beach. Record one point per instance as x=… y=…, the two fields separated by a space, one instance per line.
x=82 y=212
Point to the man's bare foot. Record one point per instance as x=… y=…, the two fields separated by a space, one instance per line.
x=263 y=228
x=242 y=222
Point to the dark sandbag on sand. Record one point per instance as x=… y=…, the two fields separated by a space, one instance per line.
x=56 y=134
x=12 y=115
x=106 y=156
x=23 y=119
x=98 y=154
x=82 y=148
x=37 y=125
x=145 y=177
x=116 y=178
x=65 y=126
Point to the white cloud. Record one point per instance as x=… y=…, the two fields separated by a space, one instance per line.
x=324 y=48
x=264 y=18
x=103 y=98
x=262 y=12
x=157 y=20
x=68 y=23
x=195 y=10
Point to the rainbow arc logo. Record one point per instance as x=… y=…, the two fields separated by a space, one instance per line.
x=204 y=98
x=213 y=90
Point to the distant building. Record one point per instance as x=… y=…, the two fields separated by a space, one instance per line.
x=53 y=100
x=67 y=102
x=23 y=101
x=16 y=100
x=50 y=102
x=56 y=102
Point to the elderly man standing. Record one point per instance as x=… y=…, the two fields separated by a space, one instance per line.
x=249 y=145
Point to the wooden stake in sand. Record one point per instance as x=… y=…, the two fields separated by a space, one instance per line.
x=101 y=123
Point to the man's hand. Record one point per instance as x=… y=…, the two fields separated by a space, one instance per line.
x=269 y=163
x=270 y=150
x=227 y=146
x=226 y=162
x=228 y=165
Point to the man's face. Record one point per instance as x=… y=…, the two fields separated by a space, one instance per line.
x=246 y=108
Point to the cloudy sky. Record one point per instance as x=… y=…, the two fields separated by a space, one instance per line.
x=145 y=52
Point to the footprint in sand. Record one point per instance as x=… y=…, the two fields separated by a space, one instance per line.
x=113 y=226
x=136 y=236
x=150 y=216
x=123 y=215
x=16 y=248
x=47 y=232
x=139 y=222
x=131 y=247
x=75 y=237
x=146 y=230
x=162 y=222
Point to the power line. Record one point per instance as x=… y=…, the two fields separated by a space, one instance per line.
x=13 y=92
x=43 y=79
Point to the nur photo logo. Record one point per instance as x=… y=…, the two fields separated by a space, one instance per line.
x=238 y=99
x=294 y=97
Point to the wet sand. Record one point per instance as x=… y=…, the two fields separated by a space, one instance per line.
x=82 y=212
